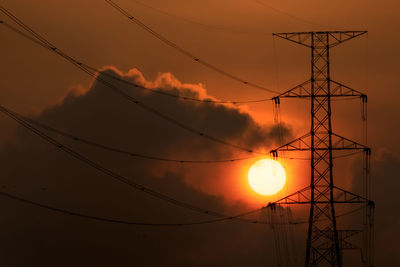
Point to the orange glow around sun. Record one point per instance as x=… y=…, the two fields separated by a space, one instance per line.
x=267 y=177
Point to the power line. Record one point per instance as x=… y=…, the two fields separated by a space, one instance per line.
x=46 y=44
x=138 y=155
x=187 y=98
x=119 y=177
x=124 y=152
x=92 y=72
x=334 y=157
x=183 y=51
x=43 y=42
x=108 y=171
x=137 y=223
x=208 y=26
x=290 y=15
x=91 y=217
x=126 y=181
x=111 y=220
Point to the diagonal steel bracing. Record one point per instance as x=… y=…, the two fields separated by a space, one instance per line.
x=324 y=241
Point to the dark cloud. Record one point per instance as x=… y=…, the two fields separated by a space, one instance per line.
x=39 y=171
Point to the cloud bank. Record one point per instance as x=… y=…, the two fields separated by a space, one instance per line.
x=41 y=172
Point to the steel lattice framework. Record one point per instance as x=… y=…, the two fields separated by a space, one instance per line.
x=325 y=241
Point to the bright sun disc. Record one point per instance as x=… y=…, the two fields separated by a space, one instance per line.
x=267 y=177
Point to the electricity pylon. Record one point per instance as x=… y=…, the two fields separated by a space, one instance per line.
x=325 y=242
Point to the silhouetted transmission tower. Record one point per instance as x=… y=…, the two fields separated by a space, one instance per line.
x=325 y=241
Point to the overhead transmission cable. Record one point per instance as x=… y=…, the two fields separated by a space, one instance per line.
x=38 y=39
x=44 y=43
x=122 y=151
x=131 y=184
x=184 y=51
x=334 y=157
x=291 y=15
x=205 y=25
x=103 y=219
x=138 y=155
x=130 y=83
x=137 y=223
x=120 y=177
x=181 y=97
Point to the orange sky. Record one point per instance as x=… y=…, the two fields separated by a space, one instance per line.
x=103 y=37
x=235 y=35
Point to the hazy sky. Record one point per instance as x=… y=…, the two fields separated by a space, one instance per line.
x=236 y=36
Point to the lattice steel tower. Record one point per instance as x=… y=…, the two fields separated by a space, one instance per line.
x=325 y=241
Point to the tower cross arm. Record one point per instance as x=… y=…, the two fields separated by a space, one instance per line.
x=338 y=37
x=299 y=144
x=344 y=196
x=343 y=143
x=303 y=196
x=302 y=38
x=299 y=197
x=305 y=38
x=303 y=90
x=339 y=89
x=303 y=143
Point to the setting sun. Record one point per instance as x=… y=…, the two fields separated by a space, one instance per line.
x=267 y=177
